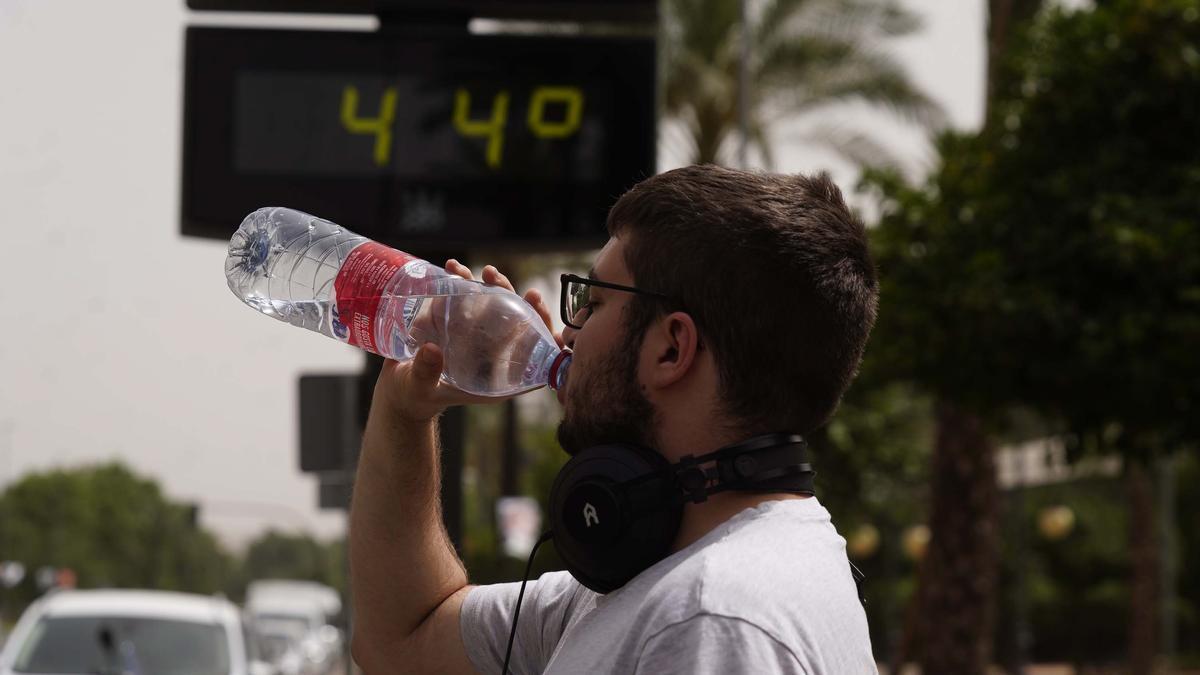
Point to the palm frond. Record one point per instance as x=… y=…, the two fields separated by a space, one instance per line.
x=857 y=18
x=806 y=54
x=854 y=20
x=775 y=17
x=895 y=21
x=703 y=26
x=759 y=137
x=875 y=79
x=855 y=146
x=704 y=69
x=788 y=63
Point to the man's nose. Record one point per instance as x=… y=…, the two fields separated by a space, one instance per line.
x=568 y=335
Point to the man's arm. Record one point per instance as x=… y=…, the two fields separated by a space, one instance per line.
x=407 y=581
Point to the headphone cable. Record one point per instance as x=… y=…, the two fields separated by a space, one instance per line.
x=546 y=536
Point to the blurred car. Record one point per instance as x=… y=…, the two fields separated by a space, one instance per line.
x=291 y=652
x=115 y=632
x=292 y=619
x=320 y=595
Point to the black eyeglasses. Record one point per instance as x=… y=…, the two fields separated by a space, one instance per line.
x=577 y=295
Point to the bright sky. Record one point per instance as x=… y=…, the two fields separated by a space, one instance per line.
x=124 y=342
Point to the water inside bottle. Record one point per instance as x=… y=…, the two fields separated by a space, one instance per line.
x=492 y=343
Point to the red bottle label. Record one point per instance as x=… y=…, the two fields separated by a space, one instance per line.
x=358 y=288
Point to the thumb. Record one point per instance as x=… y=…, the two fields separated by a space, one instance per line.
x=427 y=364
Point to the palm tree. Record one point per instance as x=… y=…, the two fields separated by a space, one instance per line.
x=805 y=55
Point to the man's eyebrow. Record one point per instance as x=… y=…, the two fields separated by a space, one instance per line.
x=594 y=290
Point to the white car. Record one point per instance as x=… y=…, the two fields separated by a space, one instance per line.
x=118 y=632
x=295 y=639
x=295 y=591
x=292 y=617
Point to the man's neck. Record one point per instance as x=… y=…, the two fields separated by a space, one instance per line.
x=682 y=431
x=700 y=519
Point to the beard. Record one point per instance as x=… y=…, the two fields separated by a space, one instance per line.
x=607 y=403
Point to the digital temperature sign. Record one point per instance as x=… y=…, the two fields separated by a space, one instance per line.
x=419 y=138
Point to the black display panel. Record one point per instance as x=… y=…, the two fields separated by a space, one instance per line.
x=532 y=9
x=417 y=138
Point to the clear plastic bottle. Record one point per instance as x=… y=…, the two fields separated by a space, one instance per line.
x=315 y=274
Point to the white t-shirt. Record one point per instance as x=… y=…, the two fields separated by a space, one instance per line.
x=768 y=591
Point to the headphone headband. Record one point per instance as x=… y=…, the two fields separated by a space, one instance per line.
x=755 y=443
x=615 y=509
x=767 y=463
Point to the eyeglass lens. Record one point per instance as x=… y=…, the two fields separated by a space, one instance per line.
x=577 y=296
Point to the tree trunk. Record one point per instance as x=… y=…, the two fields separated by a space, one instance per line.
x=712 y=125
x=1143 y=586
x=1003 y=17
x=957 y=584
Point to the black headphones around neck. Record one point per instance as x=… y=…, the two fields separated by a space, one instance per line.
x=615 y=509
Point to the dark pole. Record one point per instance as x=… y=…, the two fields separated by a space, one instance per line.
x=1022 y=634
x=510 y=462
x=453 y=427
x=744 y=87
x=1166 y=509
x=347 y=603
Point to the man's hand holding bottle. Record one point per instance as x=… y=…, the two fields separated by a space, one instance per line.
x=414 y=391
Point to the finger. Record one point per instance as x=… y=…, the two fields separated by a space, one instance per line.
x=492 y=276
x=455 y=267
x=427 y=366
x=534 y=298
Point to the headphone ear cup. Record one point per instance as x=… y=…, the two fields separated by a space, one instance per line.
x=604 y=533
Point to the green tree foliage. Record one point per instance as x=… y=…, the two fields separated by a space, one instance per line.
x=112 y=527
x=805 y=55
x=1054 y=260
x=115 y=529
x=279 y=555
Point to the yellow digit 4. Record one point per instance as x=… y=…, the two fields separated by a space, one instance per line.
x=572 y=97
x=380 y=126
x=491 y=129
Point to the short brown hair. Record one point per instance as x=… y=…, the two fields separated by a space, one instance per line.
x=776 y=273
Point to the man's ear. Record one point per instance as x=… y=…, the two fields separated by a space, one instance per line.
x=670 y=349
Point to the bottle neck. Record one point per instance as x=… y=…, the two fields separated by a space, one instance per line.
x=560 y=363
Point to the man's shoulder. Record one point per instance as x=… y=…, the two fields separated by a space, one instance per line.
x=768 y=565
x=775 y=577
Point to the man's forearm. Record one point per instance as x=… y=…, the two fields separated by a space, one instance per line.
x=402 y=564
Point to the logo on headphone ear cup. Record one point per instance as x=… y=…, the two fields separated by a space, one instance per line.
x=606 y=531
x=593 y=514
x=589 y=515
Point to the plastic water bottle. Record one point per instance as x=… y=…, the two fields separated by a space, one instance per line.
x=315 y=274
